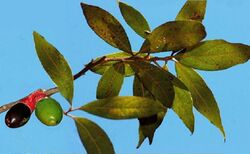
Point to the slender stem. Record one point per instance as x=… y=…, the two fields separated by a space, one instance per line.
x=88 y=67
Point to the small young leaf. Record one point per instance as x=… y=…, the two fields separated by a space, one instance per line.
x=203 y=98
x=100 y=69
x=193 y=10
x=148 y=125
x=174 y=35
x=107 y=27
x=156 y=81
x=111 y=82
x=124 y=107
x=94 y=139
x=134 y=19
x=55 y=65
x=183 y=107
x=215 y=55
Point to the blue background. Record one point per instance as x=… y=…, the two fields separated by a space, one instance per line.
x=62 y=23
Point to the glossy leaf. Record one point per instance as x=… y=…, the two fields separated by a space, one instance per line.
x=55 y=65
x=215 y=55
x=148 y=125
x=203 y=98
x=193 y=10
x=94 y=139
x=183 y=107
x=174 y=35
x=134 y=19
x=111 y=82
x=156 y=81
x=100 y=69
x=107 y=27
x=124 y=107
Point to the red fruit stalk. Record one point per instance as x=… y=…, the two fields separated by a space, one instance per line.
x=19 y=114
x=33 y=98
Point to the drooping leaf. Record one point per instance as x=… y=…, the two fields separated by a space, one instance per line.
x=183 y=103
x=174 y=35
x=203 y=98
x=107 y=27
x=94 y=139
x=193 y=10
x=124 y=107
x=134 y=19
x=156 y=81
x=215 y=55
x=111 y=82
x=147 y=125
x=55 y=65
x=100 y=69
x=183 y=107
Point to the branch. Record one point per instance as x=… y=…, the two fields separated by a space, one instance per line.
x=88 y=67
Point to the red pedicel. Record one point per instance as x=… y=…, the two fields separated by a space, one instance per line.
x=33 y=98
x=19 y=114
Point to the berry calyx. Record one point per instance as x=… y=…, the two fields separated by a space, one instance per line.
x=49 y=111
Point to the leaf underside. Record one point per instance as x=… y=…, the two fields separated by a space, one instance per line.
x=124 y=107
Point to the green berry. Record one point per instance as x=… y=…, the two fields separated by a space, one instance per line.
x=49 y=111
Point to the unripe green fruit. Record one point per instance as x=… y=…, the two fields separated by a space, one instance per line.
x=49 y=111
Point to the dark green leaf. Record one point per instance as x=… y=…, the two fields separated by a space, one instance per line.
x=203 y=98
x=111 y=82
x=183 y=107
x=148 y=125
x=193 y=10
x=55 y=65
x=215 y=55
x=134 y=19
x=94 y=139
x=100 y=69
x=156 y=81
x=107 y=27
x=124 y=107
x=174 y=35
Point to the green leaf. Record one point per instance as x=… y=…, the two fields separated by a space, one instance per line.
x=100 y=69
x=215 y=55
x=55 y=65
x=107 y=27
x=124 y=107
x=148 y=125
x=183 y=103
x=203 y=98
x=134 y=19
x=111 y=82
x=183 y=107
x=174 y=35
x=94 y=139
x=156 y=81
x=193 y=10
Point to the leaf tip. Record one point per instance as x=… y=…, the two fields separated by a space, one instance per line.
x=83 y=5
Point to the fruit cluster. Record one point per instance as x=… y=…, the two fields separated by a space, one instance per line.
x=47 y=110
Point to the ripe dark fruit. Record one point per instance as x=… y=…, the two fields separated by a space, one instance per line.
x=18 y=115
x=49 y=111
